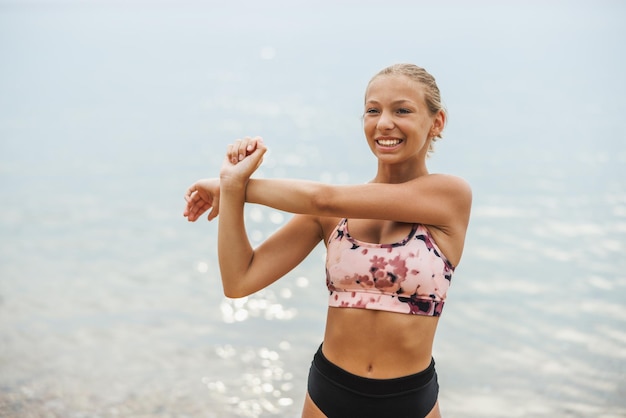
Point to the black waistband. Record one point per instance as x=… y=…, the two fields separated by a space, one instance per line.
x=373 y=387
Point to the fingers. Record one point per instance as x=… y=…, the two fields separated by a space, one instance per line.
x=195 y=205
x=190 y=191
x=191 y=197
x=215 y=209
x=241 y=148
x=193 y=212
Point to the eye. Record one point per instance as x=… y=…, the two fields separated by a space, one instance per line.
x=404 y=111
x=371 y=111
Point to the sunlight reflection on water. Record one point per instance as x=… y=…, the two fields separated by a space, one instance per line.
x=260 y=390
x=262 y=304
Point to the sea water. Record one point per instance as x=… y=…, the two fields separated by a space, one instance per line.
x=110 y=301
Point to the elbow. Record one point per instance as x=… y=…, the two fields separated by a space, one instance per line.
x=235 y=278
x=231 y=289
x=235 y=288
x=235 y=293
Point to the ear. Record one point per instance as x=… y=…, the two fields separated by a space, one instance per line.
x=439 y=122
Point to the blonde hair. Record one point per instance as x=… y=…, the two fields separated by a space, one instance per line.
x=432 y=96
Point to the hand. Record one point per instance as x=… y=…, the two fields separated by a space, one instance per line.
x=201 y=196
x=242 y=159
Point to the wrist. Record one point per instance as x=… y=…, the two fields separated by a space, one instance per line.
x=230 y=184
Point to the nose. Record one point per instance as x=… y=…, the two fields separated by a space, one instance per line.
x=385 y=122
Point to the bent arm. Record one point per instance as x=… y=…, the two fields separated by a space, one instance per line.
x=246 y=270
x=435 y=199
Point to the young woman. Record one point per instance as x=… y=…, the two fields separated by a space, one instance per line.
x=392 y=247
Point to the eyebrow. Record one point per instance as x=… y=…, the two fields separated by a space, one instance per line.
x=395 y=102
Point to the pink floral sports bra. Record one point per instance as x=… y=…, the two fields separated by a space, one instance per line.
x=411 y=276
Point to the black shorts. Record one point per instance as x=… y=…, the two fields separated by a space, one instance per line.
x=340 y=394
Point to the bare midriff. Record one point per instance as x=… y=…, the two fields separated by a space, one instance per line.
x=378 y=344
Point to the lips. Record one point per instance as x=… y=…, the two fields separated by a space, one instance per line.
x=388 y=142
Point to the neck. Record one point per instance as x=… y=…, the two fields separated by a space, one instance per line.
x=399 y=173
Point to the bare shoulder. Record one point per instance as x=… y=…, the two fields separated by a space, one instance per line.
x=453 y=186
x=448 y=181
x=453 y=196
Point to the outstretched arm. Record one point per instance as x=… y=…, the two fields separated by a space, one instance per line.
x=440 y=200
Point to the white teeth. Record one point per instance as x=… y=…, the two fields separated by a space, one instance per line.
x=388 y=142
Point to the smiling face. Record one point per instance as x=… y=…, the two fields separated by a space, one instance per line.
x=397 y=122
